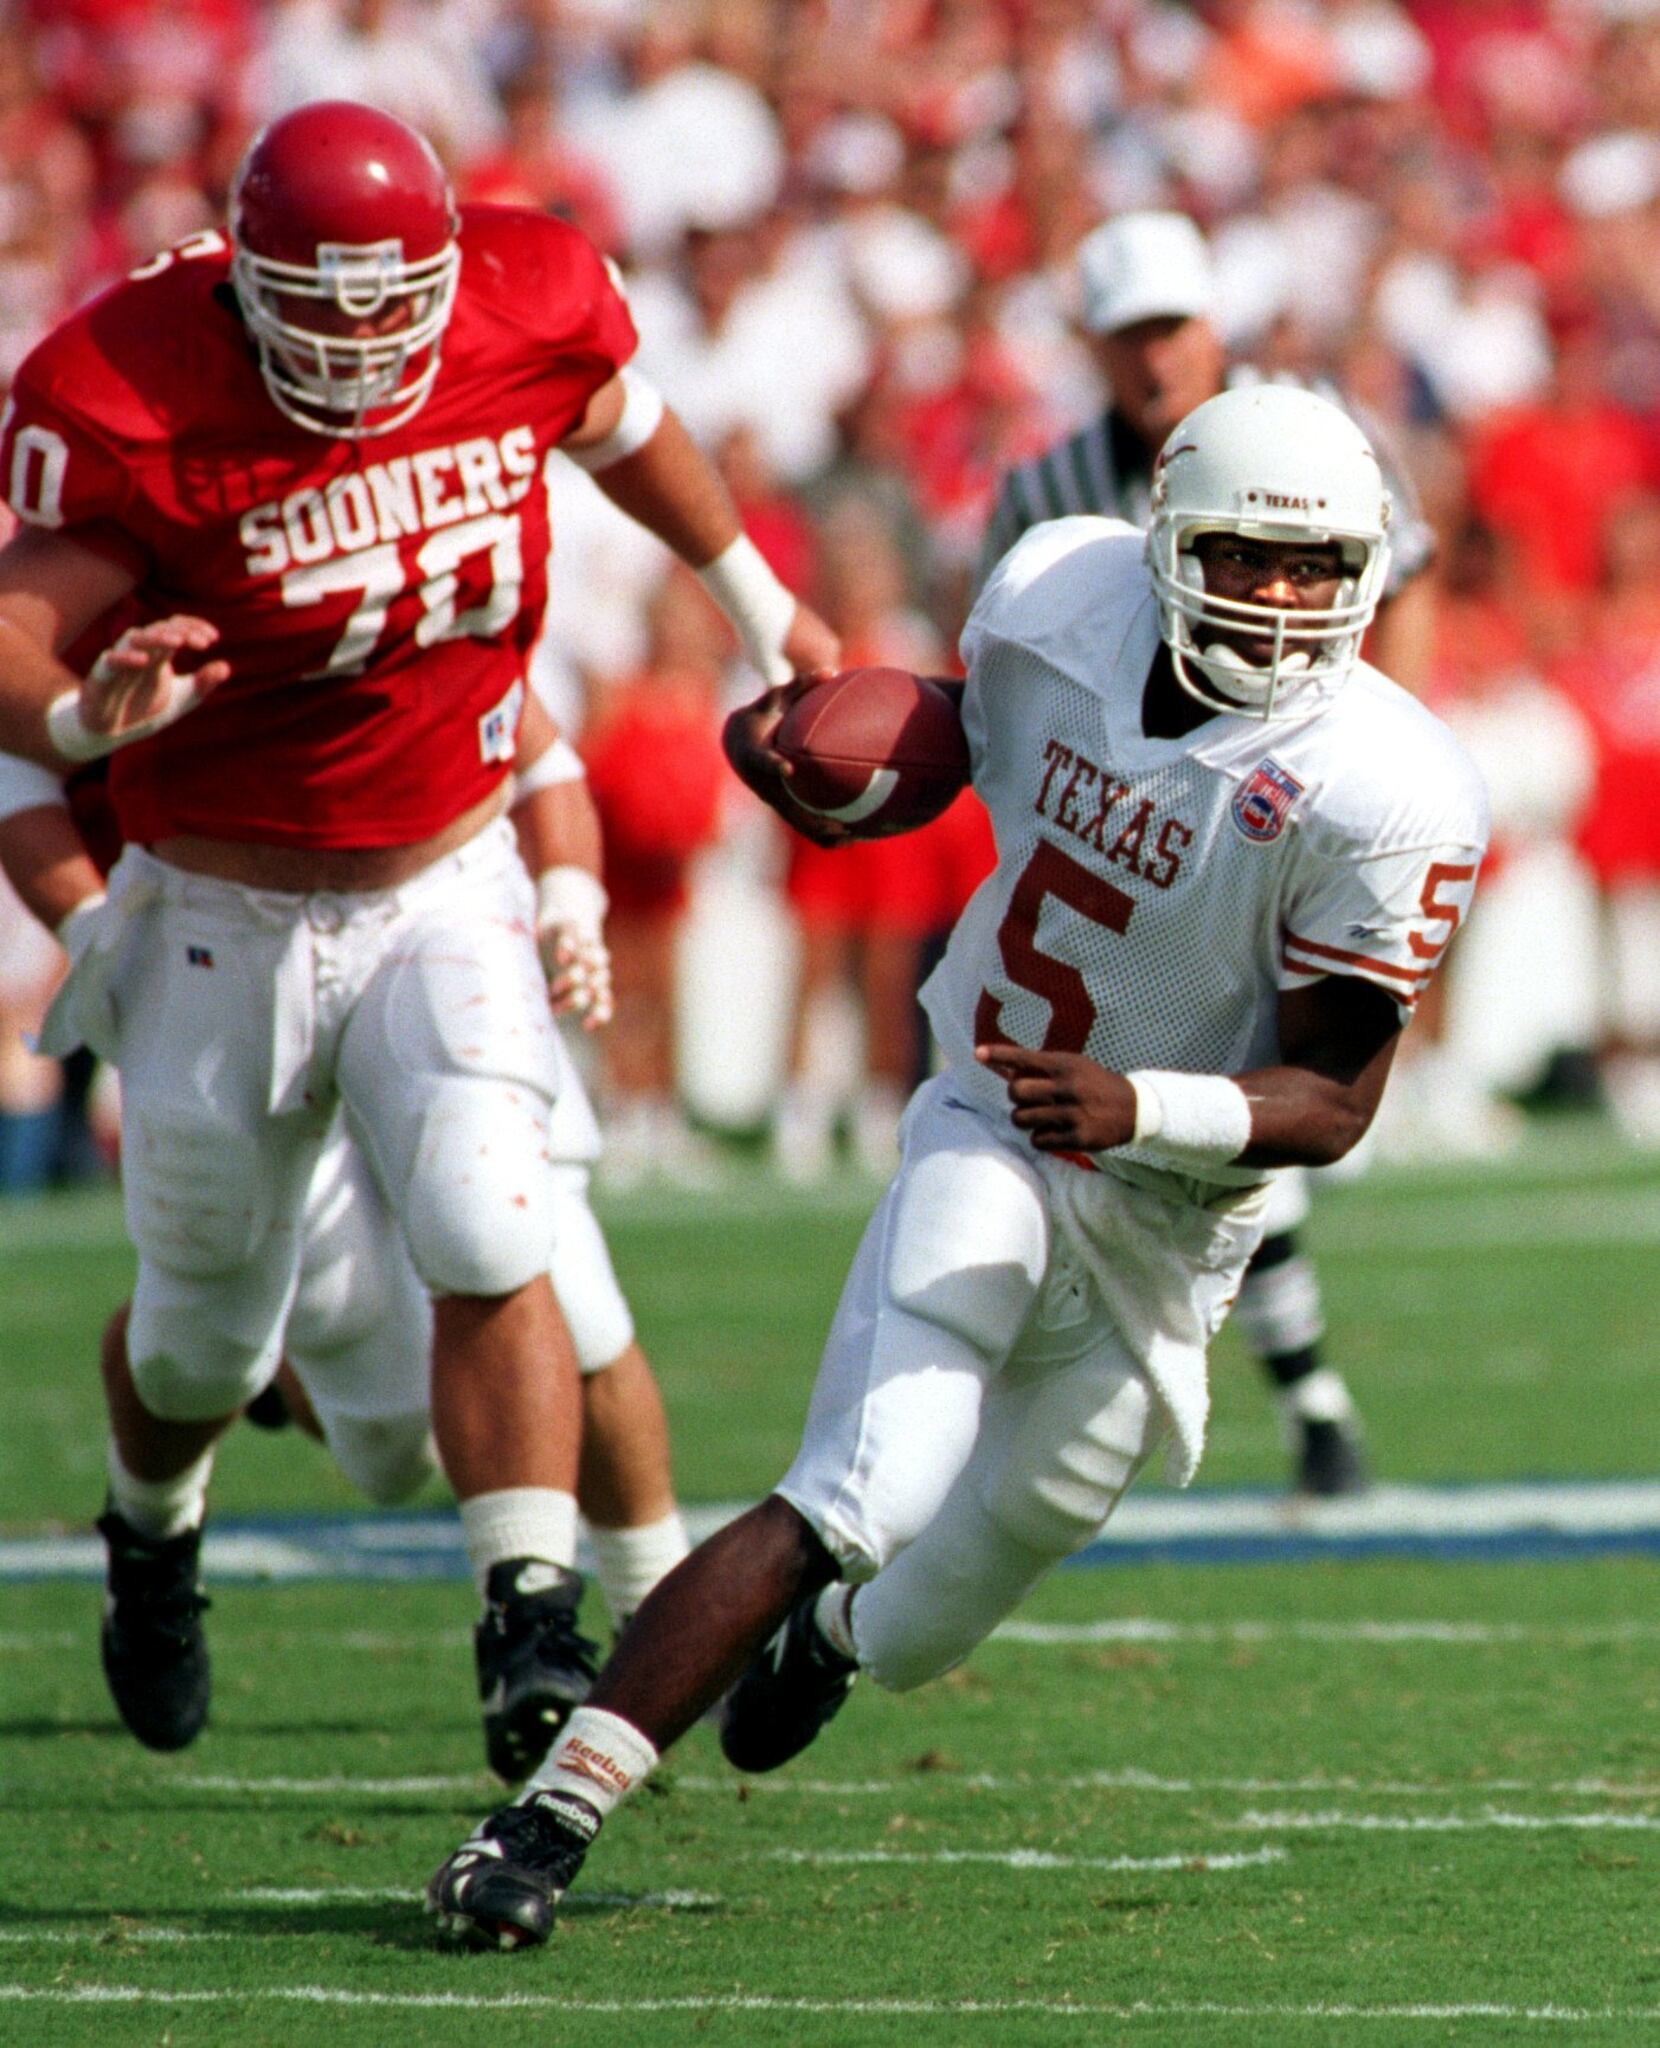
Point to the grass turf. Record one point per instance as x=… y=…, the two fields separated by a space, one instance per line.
x=1435 y=1821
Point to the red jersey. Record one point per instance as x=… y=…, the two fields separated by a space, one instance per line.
x=377 y=599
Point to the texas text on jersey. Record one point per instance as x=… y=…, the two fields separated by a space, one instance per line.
x=373 y=596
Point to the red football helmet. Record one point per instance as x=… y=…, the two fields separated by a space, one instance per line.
x=345 y=261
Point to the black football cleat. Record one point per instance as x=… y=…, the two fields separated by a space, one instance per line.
x=534 y=1666
x=268 y=1409
x=502 y=1887
x=791 y=1690
x=1330 y=1462
x=155 y=1652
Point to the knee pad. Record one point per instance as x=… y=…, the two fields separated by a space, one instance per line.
x=386 y=1457
x=1079 y=1437
x=478 y=1214
x=198 y=1194
x=584 y=1280
x=970 y=1246
x=200 y=1349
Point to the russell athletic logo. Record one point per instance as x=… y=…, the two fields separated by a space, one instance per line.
x=1263 y=802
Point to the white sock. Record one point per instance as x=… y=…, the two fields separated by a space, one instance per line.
x=629 y=1562
x=520 y=1521
x=833 y=1612
x=160 y=1507
x=600 y=1758
x=1319 y=1396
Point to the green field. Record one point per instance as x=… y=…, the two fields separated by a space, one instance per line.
x=1394 y=1800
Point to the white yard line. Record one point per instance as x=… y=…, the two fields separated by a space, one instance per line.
x=475 y=1782
x=1439 y=1823
x=1198 y=1862
x=1147 y=1781
x=323 y=1895
x=1129 y=1780
x=1446 y=1634
x=917 y=2008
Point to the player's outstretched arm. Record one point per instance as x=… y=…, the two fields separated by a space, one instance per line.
x=51 y=590
x=642 y=457
x=1337 y=1040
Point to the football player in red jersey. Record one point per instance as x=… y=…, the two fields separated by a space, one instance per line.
x=315 y=446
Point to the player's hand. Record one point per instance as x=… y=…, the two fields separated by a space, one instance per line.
x=570 y=936
x=136 y=686
x=748 y=737
x=1063 y=1101
x=810 y=644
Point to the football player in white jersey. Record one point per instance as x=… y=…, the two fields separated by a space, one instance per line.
x=1230 y=856
x=1149 y=307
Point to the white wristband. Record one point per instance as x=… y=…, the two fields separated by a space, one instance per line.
x=1192 y=1119
x=641 y=416
x=760 y=608
x=71 y=738
x=74 y=923
x=570 y=896
x=26 y=786
x=557 y=763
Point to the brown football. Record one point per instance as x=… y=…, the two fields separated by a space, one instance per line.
x=878 y=749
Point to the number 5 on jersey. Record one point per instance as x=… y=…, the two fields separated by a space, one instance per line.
x=1050 y=872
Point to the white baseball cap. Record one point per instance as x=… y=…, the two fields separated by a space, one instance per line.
x=1143 y=266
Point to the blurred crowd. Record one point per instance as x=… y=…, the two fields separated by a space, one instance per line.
x=848 y=231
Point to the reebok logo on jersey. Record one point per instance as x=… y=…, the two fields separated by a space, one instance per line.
x=1264 y=800
x=1089 y=803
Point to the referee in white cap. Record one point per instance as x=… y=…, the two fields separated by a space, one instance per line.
x=1148 y=306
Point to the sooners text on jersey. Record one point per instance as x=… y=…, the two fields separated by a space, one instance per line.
x=377 y=600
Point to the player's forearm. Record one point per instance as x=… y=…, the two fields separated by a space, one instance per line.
x=553 y=811
x=1303 y=1118
x=558 y=827
x=45 y=862
x=31 y=680
x=670 y=487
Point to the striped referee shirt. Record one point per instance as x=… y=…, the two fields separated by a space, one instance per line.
x=1104 y=468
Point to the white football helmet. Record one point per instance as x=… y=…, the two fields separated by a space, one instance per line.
x=1270 y=462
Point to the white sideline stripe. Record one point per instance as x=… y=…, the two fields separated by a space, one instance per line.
x=334 y=1546
x=1439 y=1823
x=1033 y=1859
x=918 y=2008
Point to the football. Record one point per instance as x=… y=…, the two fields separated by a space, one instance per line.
x=877 y=749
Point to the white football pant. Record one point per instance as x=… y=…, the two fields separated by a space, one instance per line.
x=243 y=1018
x=978 y=1413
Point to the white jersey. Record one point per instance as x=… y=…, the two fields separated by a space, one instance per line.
x=1153 y=897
